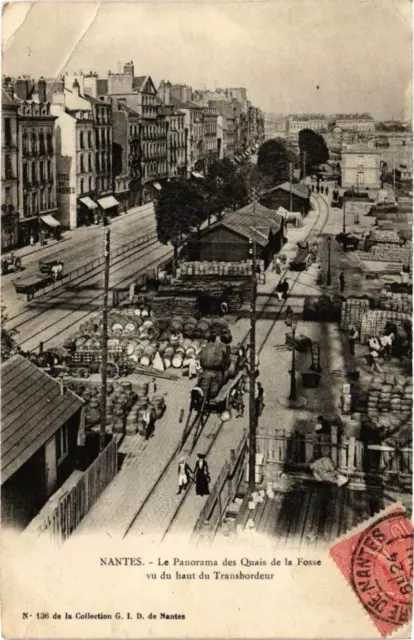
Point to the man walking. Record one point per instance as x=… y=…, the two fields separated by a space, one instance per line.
x=259 y=400
x=342 y=281
x=352 y=338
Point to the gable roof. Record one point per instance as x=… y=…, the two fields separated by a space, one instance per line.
x=142 y=83
x=299 y=190
x=253 y=222
x=7 y=100
x=33 y=409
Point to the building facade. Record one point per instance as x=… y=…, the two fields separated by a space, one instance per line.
x=358 y=123
x=9 y=176
x=211 y=144
x=360 y=168
x=37 y=161
x=315 y=122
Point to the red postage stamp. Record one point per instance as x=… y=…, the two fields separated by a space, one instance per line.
x=378 y=565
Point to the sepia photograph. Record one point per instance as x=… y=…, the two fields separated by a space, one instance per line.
x=206 y=319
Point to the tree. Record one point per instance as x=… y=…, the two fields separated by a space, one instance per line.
x=313 y=145
x=179 y=208
x=8 y=342
x=225 y=187
x=273 y=162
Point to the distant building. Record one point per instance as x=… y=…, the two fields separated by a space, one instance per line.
x=360 y=167
x=358 y=123
x=284 y=194
x=177 y=133
x=315 y=122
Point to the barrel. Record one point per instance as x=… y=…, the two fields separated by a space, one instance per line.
x=174 y=341
x=141 y=389
x=145 y=312
x=79 y=342
x=140 y=422
x=159 y=405
x=169 y=352
x=117 y=326
x=167 y=363
x=131 y=346
x=119 y=421
x=203 y=326
x=126 y=386
x=162 y=347
x=137 y=313
x=131 y=326
x=181 y=350
x=216 y=383
x=148 y=324
x=190 y=352
x=144 y=334
x=177 y=360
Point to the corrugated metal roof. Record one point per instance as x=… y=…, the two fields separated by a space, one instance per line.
x=33 y=409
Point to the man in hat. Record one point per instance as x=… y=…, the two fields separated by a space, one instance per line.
x=202 y=476
x=184 y=475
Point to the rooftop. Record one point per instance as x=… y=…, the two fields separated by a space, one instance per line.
x=299 y=190
x=33 y=409
x=252 y=222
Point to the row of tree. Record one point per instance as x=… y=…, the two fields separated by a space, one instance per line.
x=184 y=205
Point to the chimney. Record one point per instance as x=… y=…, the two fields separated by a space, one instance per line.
x=167 y=92
x=76 y=87
x=129 y=68
x=41 y=90
x=21 y=88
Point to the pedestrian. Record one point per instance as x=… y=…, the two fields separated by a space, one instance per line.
x=317 y=188
x=32 y=240
x=149 y=422
x=319 y=276
x=277 y=265
x=42 y=238
x=224 y=308
x=374 y=351
x=285 y=289
x=289 y=313
x=353 y=336
x=321 y=425
x=184 y=475
x=202 y=476
x=313 y=188
x=193 y=368
x=342 y=281
x=54 y=271
x=259 y=400
x=327 y=190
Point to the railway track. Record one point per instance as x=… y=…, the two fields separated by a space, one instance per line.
x=68 y=304
x=161 y=490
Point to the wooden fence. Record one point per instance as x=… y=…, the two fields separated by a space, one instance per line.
x=352 y=457
x=223 y=492
x=75 y=504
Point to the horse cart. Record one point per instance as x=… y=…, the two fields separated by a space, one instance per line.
x=349 y=241
x=31 y=284
x=218 y=392
x=10 y=262
x=302 y=261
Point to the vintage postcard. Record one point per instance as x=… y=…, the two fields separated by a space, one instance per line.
x=206 y=307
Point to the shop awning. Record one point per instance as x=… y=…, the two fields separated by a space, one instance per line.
x=50 y=221
x=88 y=203
x=108 y=202
x=195 y=174
x=157 y=186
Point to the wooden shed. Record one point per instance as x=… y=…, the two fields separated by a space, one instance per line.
x=279 y=196
x=39 y=430
x=229 y=239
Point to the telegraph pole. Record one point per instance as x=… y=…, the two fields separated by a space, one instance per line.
x=104 y=343
x=393 y=172
x=304 y=166
x=290 y=185
x=252 y=381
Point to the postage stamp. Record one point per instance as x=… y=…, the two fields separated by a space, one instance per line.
x=377 y=562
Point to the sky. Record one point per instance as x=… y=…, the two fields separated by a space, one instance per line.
x=358 y=52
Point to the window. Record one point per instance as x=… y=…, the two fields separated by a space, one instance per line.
x=25 y=142
x=34 y=142
x=62 y=443
x=7 y=131
x=49 y=142
x=34 y=204
x=41 y=172
x=33 y=172
x=90 y=162
x=49 y=169
x=89 y=139
x=8 y=196
x=97 y=139
x=25 y=174
x=81 y=140
x=42 y=147
x=8 y=167
x=90 y=184
x=50 y=198
x=82 y=165
x=82 y=185
x=26 y=205
x=360 y=177
x=360 y=161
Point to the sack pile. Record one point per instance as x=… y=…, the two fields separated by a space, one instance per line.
x=401 y=302
x=374 y=322
x=216 y=268
x=352 y=312
x=390 y=394
x=392 y=253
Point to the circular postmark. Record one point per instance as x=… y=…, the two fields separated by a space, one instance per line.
x=382 y=569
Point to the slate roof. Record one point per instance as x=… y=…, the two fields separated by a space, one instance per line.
x=32 y=409
x=299 y=190
x=253 y=225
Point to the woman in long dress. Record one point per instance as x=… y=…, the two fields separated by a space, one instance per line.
x=202 y=476
x=184 y=475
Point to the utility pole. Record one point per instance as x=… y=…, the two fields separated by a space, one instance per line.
x=393 y=172
x=290 y=185
x=252 y=367
x=304 y=166
x=104 y=344
x=343 y=218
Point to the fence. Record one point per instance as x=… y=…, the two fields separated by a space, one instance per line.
x=76 y=503
x=223 y=492
x=95 y=264
x=351 y=456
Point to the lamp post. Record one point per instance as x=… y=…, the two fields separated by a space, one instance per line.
x=293 y=323
x=252 y=364
x=290 y=185
x=343 y=218
x=328 y=278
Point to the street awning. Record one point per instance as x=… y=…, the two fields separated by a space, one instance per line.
x=50 y=221
x=157 y=186
x=88 y=202
x=108 y=202
x=195 y=174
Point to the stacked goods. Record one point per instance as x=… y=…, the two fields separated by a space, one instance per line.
x=390 y=394
x=197 y=269
x=214 y=356
x=322 y=308
x=346 y=398
x=401 y=302
x=384 y=236
x=352 y=312
x=374 y=322
x=392 y=253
